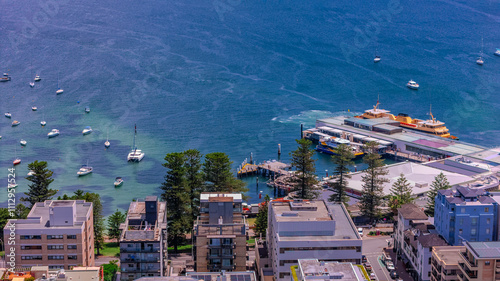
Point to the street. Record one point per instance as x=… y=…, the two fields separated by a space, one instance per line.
x=373 y=249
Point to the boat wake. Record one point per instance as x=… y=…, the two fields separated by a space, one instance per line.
x=309 y=117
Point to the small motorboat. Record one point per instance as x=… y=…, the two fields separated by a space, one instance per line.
x=118 y=182
x=497 y=52
x=32 y=84
x=53 y=133
x=23 y=142
x=34 y=108
x=31 y=173
x=43 y=123
x=376 y=59
x=87 y=109
x=8 y=115
x=107 y=144
x=59 y=91
x=87 y=130
x=5 y=77
x=480 y=61
x=84 y=170
x=412 y=85
x=15 y=123
x=37 y=78
x=17 y=161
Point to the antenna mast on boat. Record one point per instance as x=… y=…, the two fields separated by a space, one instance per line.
x=135 y=133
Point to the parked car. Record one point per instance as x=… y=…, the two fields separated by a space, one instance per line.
x=368 y=266
x=373 y=276
x=363 y=259
x=360 y=231
x=389 y=265
x=394 y=274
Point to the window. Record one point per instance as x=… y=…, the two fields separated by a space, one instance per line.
x=71 y=236
x=473 y=221
x=71 y=247
x=31 y=257
x=462 y=210
x=473 y=231
x=487 y=231
x=56 y=257
x=429 y=261
x=72 y=257
x=487 y=263
x=30 y=237
x=488 y=221
x=461 y=221
x=31 y=247
x=486 y=210
x=54 y=237
x=460 y=231
x=55 y=247
x=56 y=266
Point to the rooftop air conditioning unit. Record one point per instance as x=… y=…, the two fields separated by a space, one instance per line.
x=421 y=184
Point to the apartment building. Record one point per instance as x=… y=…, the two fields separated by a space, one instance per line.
x=207 y=276
x=480 y=261
x=143 y=241
x=220 y=233
x=444 y=263
x=57 y=233
x=414 y=239
x=466 y=214
x=302 y=229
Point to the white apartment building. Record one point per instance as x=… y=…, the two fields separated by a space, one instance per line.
x=303 y=229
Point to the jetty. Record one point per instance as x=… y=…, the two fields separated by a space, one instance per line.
x=271 y=168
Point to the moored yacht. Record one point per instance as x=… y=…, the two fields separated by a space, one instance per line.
x=15 y=123
x=135 y=155
x=84 y=170
x=497 y=52
x=87 y=130
x=37 y=78
x=23 y=142
x=54 y=133
x=118 y=182
x=376 y=59
x=8 y=115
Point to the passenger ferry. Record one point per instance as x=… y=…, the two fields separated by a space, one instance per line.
x=431 y=126
x=329 y=145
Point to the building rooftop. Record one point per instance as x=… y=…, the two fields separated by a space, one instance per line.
x=491 y=155
x=206 y=196
x=42 y=212
x=485 y=249
x=291 y=211
x=418 y=175
x=412 y=212
x=207 y=276
x=448 y=255
x=315 y=211
x=466 y=196
x=312 y=269
x=431 y=240
x=136 y=226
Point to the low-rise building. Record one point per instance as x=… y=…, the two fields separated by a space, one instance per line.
x=207 y=276
x=143 y=241
x=445 y=261
x=466 y=214
x=414 y=240
x=220 y=233
x=57 y=233
x=312 y=270
x=302 y=229
x=480 y=261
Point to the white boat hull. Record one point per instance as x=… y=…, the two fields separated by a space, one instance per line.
x=60 y=91
x=135 y=157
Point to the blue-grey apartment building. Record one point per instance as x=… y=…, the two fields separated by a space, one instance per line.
x=466 y=214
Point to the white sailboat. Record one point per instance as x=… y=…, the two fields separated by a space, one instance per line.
x=85 y=170
x=135 y=155
x=59 y=90
x=43 y=123
x=32 y=83
x=107 y=143
x=480 y=60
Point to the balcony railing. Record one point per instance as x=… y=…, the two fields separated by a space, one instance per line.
x=138 y=250
x=469 y=263
x=470 y=274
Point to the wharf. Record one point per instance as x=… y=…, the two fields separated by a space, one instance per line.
x=248 y=169
x=268 y=168
x=410 y=145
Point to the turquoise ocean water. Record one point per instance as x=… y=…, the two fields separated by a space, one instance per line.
x=229 y=76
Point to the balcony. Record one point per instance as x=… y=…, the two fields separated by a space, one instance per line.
x=139 y=250
x=469 y=274
x=470 y=265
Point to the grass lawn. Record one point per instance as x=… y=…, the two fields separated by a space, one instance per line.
x=181 y=249
x=111 y=249
x=251 y=221
x=251 y=242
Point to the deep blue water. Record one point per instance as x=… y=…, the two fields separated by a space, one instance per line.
x=229 y=76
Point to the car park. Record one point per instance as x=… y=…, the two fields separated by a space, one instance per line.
x=363 y=258
x=368 y=266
